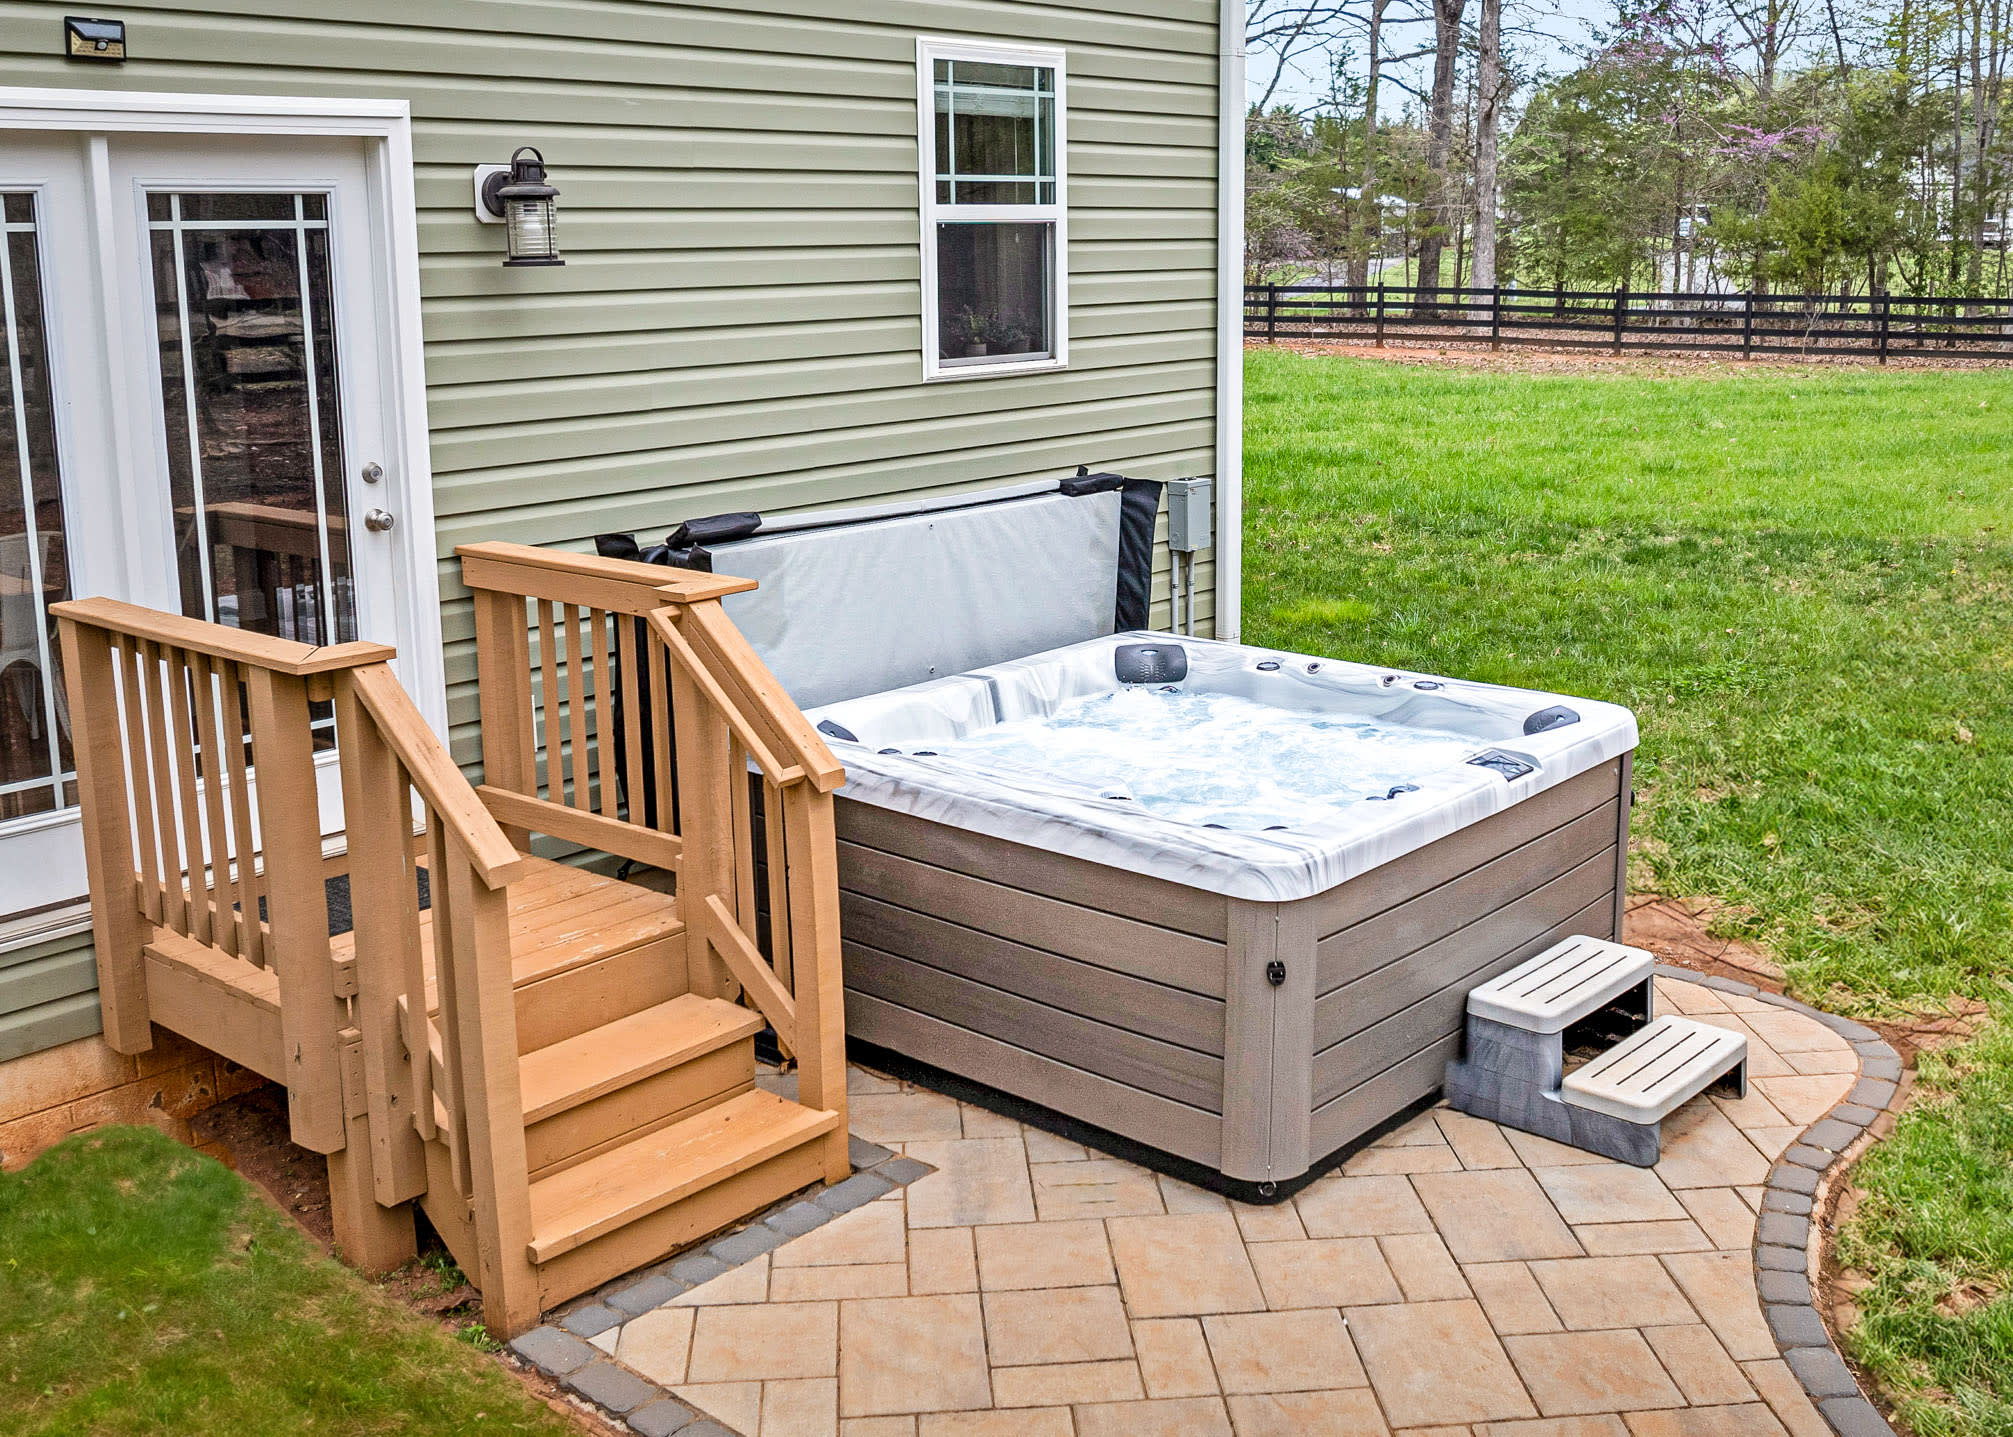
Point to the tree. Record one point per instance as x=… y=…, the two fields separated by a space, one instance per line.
x=1488 y=121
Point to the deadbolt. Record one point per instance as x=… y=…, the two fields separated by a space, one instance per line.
x=373 y=472
x=379 y=521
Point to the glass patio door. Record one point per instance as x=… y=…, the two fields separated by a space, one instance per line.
x=190 y=419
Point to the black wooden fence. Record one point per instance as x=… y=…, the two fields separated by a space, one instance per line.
x=1780 y=325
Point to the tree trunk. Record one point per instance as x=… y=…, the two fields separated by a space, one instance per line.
x=1488 y=123
x=1370 y=229
x=1439 y=142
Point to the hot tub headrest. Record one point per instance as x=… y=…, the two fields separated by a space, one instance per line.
x=1150 y=663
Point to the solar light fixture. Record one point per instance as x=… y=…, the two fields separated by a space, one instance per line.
x=517 y=197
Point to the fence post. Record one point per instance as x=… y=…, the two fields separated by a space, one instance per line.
x=1271 y=314
x=1621 y=310
x=1380 y=314
x=1883 y=328
x=1496 y=319
x=1747 y=328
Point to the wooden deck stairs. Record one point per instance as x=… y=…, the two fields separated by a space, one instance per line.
x=555 y=1064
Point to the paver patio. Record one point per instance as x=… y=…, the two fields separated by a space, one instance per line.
x=1454 y=1277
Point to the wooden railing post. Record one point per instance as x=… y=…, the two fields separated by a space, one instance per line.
x=811 y=846
x=705 y=826
x=297 y=907
x=108 y=839
x=377 y=812
x=492 y=1111
x=503 y=681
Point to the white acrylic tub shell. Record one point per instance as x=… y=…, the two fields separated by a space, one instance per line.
x=1057 y=810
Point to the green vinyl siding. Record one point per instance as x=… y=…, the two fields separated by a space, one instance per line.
x=738 y=324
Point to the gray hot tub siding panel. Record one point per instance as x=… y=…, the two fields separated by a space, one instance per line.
x=980 y=916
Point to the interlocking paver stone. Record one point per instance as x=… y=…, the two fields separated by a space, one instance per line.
x=1796 y=1325
x=1575 y=1372
x=1821 y=1371
x=856 y=1191
x=591 y=1320
x=616 y=1388
x=748 y=1243
x=1437 y=1362
x=1183 y=1264
x=552 y=1351
x=902 y=1170
x=662 y=1418
x=639 y=1298
x=799 y=1218
x=698 y=1268
x=1855 y=1417
x=1496 y=1215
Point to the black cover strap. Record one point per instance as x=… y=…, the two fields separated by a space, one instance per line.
x=1139 y=507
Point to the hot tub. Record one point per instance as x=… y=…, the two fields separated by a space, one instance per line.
x=1223 y=901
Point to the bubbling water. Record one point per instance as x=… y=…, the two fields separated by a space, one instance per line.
x=1208 y=758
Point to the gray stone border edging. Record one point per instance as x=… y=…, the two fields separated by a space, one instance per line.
x=1784 y=1233
x=561 y=1349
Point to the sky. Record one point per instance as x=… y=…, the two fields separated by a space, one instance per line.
x=1557 y=32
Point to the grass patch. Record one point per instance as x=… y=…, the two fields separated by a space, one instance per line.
x=1799 y=579
x=145 y=1288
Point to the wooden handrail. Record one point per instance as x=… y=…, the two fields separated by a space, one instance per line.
x=739 y=664
x=620 y=585
x=667 y=631
x=262 y=651
x=439 y=780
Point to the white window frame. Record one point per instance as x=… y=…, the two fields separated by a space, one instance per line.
x=930 y=49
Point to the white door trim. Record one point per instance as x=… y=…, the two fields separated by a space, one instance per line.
x=386 y=127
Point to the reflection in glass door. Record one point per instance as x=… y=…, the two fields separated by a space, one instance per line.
x=36 y=772
x=244 y=311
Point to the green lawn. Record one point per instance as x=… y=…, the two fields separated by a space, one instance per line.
x=147 y=1289
x=1802 y=581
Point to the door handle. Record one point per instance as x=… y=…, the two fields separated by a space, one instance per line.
x=379 y=521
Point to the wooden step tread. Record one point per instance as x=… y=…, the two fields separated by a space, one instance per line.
x=1573 y=978
x=1650 y=1073
x=579 y=1204
x=560 y=918
x=628 y=1050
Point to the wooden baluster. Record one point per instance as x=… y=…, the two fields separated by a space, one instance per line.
x=706 y=821
x=235 y=764
x=131 y=660
x=90 y=664
x=820 y=989
x=739 y=787
x=418 y=1029
x=182 y=743
x=632 y=714
x=378 y=815
x=492 y=1113
x=224 y=930
x=779 y=885
x=605 y=737
x=446 y=977
x=174 y=905
x=576 y=708
x=548 y=703
x=297 y=909
x=503 y=677
x=668 y=817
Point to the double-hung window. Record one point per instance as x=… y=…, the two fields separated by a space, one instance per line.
x=994 y=209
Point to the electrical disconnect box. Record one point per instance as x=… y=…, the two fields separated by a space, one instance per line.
x=1188 y=515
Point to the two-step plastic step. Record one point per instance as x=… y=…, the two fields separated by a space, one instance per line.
x=1522 y=1025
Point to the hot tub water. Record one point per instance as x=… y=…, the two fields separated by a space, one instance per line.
x=1214 y=759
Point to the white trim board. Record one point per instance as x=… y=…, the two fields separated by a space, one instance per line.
x=1230 y=322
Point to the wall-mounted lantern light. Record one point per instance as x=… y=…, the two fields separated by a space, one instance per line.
x=517 y=197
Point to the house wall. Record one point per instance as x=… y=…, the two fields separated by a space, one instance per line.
x=738 y=323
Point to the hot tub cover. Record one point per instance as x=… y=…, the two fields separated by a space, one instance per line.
x=1508 y=744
